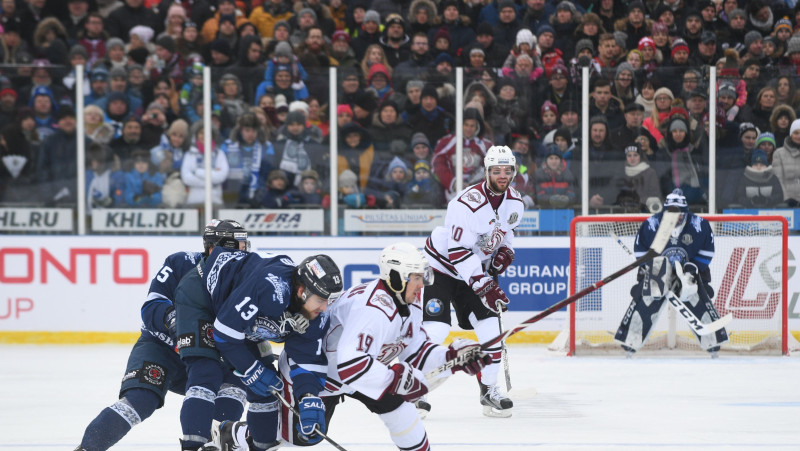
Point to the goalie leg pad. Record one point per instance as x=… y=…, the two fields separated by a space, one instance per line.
x=705 y=310
x=638 y=322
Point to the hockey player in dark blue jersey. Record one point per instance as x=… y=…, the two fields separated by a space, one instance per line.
x=682 y=268
x=225 y=321
x=154 y=366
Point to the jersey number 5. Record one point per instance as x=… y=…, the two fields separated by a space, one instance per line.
x=163 y=275
x=251 y=309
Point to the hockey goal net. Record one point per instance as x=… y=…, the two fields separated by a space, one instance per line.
x=748 y=274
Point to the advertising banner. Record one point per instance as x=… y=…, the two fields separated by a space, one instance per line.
x=546 y=220
x=98 y=283
x=36 y=219
x=278 y=220
x=145 y=220
x=392 y=220
x=791 y=215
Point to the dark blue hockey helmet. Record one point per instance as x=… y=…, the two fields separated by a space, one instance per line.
x=320 y=275
x=226 y=233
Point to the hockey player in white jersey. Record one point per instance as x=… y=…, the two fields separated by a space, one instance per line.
x=467 y=253
x=375 y=323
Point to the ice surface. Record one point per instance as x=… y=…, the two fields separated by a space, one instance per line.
x=48 y=394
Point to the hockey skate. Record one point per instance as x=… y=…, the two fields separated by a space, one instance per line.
x=495 y=403
x=423 y=407
x=230 y=435
x=629 y=352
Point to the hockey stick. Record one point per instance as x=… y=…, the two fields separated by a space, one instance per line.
x=668 y=222
x=297 y=414
x=504 y=352
x=692 y=320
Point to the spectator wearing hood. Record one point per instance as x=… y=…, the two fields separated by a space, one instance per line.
x=369 y=33
x=388 y=126
x=249 y=67
x=555 y=184
x=421 y=17
x=431 y=119
x=458 y=26
x=225 y=8
x=759 y=187
x=296 y=150
x=391 y=186
x=266 y=16
x=474 y=149
x=357 y=154
x=395 y=42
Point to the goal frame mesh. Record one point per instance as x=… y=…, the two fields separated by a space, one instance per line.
x=578 y=220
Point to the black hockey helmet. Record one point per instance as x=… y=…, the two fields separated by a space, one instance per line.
x=320 y=275
x=226 y=233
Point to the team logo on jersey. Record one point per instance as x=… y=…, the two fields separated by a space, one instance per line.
x=473 y=197
x=384 y=299
x=391 y=350
x=153 y=374
x=491 y=241
x=207 y=335
x=433 y=307
x=676 y=254
x=513 y=218
x=686 y=239
x=264 y=329
x=281 y=287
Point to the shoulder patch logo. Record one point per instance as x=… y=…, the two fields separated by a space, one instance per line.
x=686 y=239
x=473 y=197
x=513 y=218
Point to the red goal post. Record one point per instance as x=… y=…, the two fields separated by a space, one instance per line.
x=748 y=274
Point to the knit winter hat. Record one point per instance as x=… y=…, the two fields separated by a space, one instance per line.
x=759 y=156
x=677 y=45
x=545 y=28
x=783 y=23
x=737 y=13
x=647 y=42
x=795 y=126
x=277 y=174
x=548 y=106
x=524 y=36
x=727 y=89
x=793 y=45
x=765 y=137
x=296 y=117
x=115 y=42
x=745 y=127
x=167 y=43
x=305 y=11
x=584 y=44
x=633 y=148
x=621 y=38
x=659 y=28
x=283 y=49
x=422 y=164
x=344 y=109
x=347 y=178
x=420 y=138
x=663 y=91
x=678 y=124
x=397 y=163
x=751 y=37
x=372 y=16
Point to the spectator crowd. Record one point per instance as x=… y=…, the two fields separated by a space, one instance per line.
x=395 y=61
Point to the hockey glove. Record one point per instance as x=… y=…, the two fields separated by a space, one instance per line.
x=312 y=419
x=688 y=281
x=409 y=383
x=492 y=296
x=501 y=260
x=260 y=379
x=169 y=321
x=470 y=358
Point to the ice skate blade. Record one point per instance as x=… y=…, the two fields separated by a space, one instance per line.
x=495 y=413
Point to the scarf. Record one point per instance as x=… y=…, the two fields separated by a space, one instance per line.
x=757 y=176
x=633 y=171
x=683 y=170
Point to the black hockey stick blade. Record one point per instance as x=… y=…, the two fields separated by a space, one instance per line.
x=668 y=222
x=297 y=414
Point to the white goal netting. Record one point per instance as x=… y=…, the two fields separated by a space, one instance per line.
x=748 y=274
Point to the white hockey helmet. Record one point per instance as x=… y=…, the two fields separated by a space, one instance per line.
x=398 y=261
x=499 y=156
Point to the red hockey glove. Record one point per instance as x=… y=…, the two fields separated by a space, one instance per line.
x=470 y=358
x=492 y=296
x=409 y=383
x=501 y=260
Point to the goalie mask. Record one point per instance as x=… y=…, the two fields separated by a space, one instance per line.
x=677 y=199
x=398 y=262
x=320 y=276
x=226 y=233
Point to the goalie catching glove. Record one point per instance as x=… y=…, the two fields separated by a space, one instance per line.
x=501 y=260
x=409 y=383
x=492 y=296
x=468 y=356
x=687 y=275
